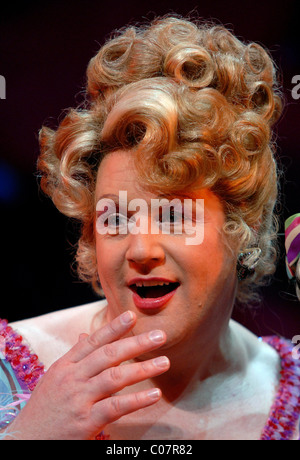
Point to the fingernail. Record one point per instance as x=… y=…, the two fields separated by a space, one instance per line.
x=127 y=317
x=161 y=361
x=154 y=394
x=156 y=336
x=82 y=336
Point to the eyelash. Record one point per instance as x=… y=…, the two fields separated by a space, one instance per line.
x=172 y=213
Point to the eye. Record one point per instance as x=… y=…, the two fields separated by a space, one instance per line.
x=111 y=223
x=170 y=215
x=116 y=220
x=175 y=216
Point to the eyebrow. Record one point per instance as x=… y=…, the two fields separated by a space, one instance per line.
x=166 y=195
x=108 y=195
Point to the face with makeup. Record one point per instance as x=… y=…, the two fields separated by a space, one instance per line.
x=185 y=289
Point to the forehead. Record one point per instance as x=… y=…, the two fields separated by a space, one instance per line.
x=117 y=172
x=114 y=165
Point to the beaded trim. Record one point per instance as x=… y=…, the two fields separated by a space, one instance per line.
x=285 y=411
x=284 y=414
x=25 y=365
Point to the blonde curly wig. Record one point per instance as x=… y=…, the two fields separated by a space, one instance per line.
x=194 y=104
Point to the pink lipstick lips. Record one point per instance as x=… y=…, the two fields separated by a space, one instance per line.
x=152 y=293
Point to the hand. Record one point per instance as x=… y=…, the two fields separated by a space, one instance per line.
x=76 y=397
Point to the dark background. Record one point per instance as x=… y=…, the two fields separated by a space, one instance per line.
x=44 y=50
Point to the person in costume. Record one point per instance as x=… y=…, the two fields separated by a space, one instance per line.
x=170 y=168
x=292 y=249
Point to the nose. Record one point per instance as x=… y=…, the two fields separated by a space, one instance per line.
x=145 y=250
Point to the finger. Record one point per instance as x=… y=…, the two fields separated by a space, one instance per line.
x=111 y=409
x=113 y=330
x=113 y=354
x=116 y=378
x=82 y=336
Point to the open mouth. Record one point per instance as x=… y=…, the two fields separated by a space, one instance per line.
x=155 y=291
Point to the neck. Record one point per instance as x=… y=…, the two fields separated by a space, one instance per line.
x=204 y=359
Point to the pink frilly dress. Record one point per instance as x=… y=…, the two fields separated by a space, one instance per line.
x=20 y=371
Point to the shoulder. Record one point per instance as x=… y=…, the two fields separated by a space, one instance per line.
x=257 y=349
x=53 y=334
x=263 y=360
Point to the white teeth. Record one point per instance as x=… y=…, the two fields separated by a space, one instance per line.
x=151 y=283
